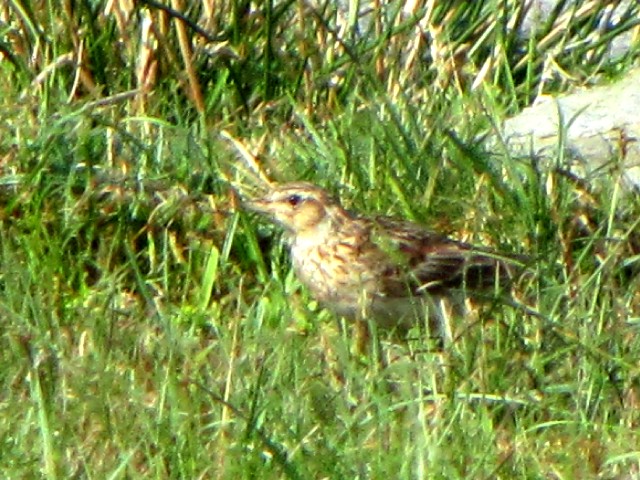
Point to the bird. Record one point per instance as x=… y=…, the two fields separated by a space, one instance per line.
x=390 y=271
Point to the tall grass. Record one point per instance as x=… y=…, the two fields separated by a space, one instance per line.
x=150 y=328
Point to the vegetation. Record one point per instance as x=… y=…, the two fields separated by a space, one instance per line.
x=151 y=329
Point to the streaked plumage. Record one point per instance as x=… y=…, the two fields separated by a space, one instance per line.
x=383 y=269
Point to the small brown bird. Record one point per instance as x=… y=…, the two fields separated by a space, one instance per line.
x=382 y=269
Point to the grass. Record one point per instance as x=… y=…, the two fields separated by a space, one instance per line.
x=150 y=328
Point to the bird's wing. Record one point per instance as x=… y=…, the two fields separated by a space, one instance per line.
x=427 y=261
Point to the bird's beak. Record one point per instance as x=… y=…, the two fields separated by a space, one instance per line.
x=259 y=205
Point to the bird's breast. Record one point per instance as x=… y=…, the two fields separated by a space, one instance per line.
x=333 y=270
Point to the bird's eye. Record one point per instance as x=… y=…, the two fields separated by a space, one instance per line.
x=294 y=200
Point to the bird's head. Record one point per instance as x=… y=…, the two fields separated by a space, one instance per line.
x=301 y=208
